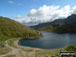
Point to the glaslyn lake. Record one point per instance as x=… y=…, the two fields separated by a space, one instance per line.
x=51 y=40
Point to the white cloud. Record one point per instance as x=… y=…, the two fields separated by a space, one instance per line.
x=48 y=13
x=11 y=2
x=74 y=10
x=19 y=18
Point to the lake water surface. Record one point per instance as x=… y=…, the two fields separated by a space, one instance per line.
x=51 y=40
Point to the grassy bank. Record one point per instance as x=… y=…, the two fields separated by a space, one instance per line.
x=4 y=50
x=10 y=56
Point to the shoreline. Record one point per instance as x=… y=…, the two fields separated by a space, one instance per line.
x=17 y=43
x=17 y=49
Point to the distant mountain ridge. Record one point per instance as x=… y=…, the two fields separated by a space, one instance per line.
x=59 y=25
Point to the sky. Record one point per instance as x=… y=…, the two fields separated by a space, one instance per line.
x=34 y=10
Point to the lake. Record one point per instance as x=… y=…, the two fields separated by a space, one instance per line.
x=51 y=40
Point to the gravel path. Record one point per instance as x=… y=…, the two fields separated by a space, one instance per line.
x=17 y=51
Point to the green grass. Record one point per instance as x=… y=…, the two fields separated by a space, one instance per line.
x=71 y=48
x=11 y=42
x=12 y=29
x=10 y=56
x=4 y=50
x=50 y=52
x=3 y=38
x=27 y=50
x=48 y=29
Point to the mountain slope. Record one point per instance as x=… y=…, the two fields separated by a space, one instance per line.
x=10 y=28
x=59 y=25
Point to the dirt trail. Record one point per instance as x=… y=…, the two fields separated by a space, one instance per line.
x=17 y=51
x=20 y=52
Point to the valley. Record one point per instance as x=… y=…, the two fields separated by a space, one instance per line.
x=38 y=28
x=11 y=32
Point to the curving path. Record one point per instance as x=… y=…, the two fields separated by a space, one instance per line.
x=17 y=51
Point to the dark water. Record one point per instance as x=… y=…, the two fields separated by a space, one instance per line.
x=51 y=41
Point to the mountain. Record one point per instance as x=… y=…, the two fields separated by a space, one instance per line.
x=12 y=29
x=59 y=25
x=58 y=21
x=71 y=19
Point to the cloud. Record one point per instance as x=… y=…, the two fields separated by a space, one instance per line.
x=48 y=14
x=74 y=10
x=19 y=18
x=11 y=2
